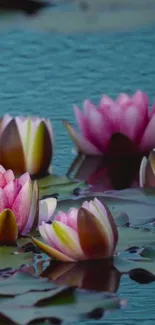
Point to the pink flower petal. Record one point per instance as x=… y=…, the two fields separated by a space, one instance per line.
x=11 y=190
x=124 y=100
x=46 y=209
x=114 y=114
x=87 y=105
x=9 y=175
x=3 y=200
x=105 y=100
x=2 y=169
x=100 y=128
x=82 y=121
x=148 y=139
x=67 y=241
x=81 y=142
x=24 y=178
x=133 y=123
x=3 y=181
x=22 y=204
x=62 y=217
x=46 y=232
x=140 y=100
x=72 y=218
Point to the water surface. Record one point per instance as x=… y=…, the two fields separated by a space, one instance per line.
x=45 y=74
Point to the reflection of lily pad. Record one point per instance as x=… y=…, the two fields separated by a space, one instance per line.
x=11 y=258
x=49 y=301
x=59 y=184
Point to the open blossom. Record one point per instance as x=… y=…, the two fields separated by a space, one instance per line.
x=26 y=144
x=81 y=234
x=126 y=115
x=20 y=209
x=147 y=171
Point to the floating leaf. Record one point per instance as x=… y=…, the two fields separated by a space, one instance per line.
x=129 y=237
x=138 y=204
x=21 y=282
x=10 y=257
x=148 y=252
x=54 y=184
x=48 y=301
x=125 y=265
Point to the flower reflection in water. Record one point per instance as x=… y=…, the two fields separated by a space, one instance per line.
x=90 y=275
x=118 y=169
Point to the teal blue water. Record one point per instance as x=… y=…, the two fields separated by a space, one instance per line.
x=45 y=74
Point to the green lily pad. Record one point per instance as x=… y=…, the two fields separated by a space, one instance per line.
x=52 y=184
x=11 y=258
x=39 y=299
x=129 y=237
x=124 y=265
x=138 y=204
x=148 y=252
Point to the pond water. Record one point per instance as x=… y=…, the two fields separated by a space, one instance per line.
x=45 y=74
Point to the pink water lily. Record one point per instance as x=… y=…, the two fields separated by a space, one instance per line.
x=26 y=144
x=81 y=234
x=147 y=171
x=20 y=208
x=126 y=115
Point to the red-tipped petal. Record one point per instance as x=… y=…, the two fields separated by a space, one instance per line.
x=8 y=228
x=93 y=238
x=11 y=151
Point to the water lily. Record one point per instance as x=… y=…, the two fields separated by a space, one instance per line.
x=128 y=116
x=147 y=171
x=20 y=209
x=26 y=144
x=81 y=234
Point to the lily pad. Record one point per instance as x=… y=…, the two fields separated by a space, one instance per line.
x=11 y=258
x=139 y=204
x=54 y=184
x=129 y=236
x=124 y=265
x=39 y=299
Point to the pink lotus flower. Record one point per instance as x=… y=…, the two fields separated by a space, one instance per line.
x=26 y=144
x=20 y=209
x=126 y=115
x=147 y=171
x=81 y=234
